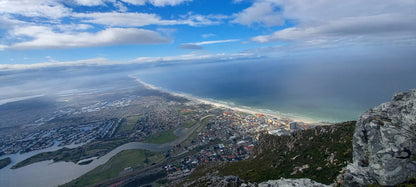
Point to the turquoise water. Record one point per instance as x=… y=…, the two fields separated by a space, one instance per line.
x=321 y=90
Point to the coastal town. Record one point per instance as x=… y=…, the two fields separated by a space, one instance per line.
x=63 y=136
x=214 y=132
x=229 y=137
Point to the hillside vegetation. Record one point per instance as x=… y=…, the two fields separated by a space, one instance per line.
x=319 y=154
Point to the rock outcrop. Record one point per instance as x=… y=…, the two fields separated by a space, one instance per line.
x=215 y=180
x=384 y=144
x=292 y=182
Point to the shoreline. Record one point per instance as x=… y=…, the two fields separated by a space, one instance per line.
x=243 y=109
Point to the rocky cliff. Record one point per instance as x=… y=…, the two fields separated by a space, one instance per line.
x=384 y=144
x=291 y=182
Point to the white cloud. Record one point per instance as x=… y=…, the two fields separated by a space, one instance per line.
x=123 y=19
x=215 y=42
x=73 y=27
x=94 y=61
x=198 y=44
x=331 y=20
x=262 y=13
x=116 y=3
x=188 y=58
x=194 y=56
x=158 y=3
x=305 y=12
x=56 y=9
x=135 y=2
x=35 y=8
x=121 y=7
x=44 y=37
x=198 y=20
x=166 y=2
x=167 y=31
x=43 y=28
x=89 y=2
x=6 y=22
x=2 y=47
x=329 y=10
x=382 y=27
x=38 y=23
x=142 y=19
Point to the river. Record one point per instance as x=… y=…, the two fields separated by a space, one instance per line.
x=49 y=173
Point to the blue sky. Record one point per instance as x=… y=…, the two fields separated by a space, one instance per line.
x=72 y=32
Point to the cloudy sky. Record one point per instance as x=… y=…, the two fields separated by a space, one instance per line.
x=65 y=32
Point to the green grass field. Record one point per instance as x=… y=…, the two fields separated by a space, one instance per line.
x=189 y=123
x=160 y=138
x=129 y=123
x=127 y=158
x=194 y=134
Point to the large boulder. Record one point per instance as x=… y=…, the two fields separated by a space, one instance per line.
x=292 y=182
x=384 y=144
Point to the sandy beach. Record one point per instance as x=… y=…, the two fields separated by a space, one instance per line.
x=243 y=109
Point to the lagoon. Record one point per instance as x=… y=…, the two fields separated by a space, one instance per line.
x=49 y=173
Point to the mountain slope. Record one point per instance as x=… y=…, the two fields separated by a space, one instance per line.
x=318 y=153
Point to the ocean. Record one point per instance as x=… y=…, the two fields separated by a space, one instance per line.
x=324 y=90
x=330 y=89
